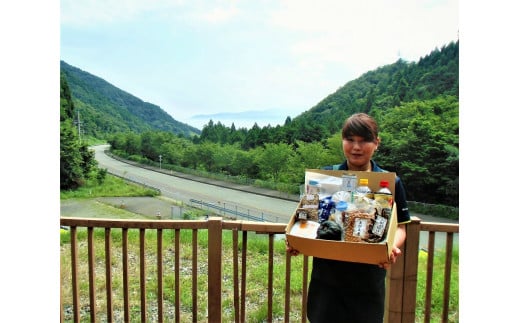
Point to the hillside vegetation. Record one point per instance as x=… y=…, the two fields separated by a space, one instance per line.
x=105 y=109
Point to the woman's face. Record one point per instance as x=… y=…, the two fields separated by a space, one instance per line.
x=358 y=152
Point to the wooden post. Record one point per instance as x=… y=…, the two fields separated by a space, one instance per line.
x=215 y=269
x=402 y=279
x=411 y=262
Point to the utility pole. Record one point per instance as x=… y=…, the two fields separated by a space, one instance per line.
x=78 y=122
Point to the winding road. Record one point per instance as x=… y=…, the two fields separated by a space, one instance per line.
x=182 y=189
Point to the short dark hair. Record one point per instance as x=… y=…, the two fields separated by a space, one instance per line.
x=360 y=124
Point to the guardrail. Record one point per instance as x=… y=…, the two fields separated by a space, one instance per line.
x=226 y=211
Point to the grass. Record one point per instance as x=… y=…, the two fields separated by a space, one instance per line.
x=256 y=268
x=111 y=186
x=438 y=286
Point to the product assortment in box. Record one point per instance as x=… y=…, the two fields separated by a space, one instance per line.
x=338 y=218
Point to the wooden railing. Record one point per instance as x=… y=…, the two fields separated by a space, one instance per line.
x=108 y=286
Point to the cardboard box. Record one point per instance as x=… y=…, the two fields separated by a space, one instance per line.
x=363 y=252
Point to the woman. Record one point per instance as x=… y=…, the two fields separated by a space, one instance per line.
x=341 y=291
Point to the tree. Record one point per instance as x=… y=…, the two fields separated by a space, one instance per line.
x=76 y=160
x=243 y=163
x=420 y=143
x=273 y=159
x=71 y=174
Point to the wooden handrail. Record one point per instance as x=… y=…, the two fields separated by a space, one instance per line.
x=402 y=278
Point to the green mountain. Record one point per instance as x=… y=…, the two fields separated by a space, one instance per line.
x=105 y=109
x=378 y=92
x=434 y=75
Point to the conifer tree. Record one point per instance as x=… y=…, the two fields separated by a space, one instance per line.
x=76 y=160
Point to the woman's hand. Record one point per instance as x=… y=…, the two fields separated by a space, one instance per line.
x=290 y=249
x=396 y=252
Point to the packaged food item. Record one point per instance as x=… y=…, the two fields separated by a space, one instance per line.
x=310 y=199
x=358 y=226
x=329 y=230
x=340 y=212
x=310 y=214
x=306 y=229
x=329 y=185
x=308 y=208
x=342 y=196
x=326 y=208
x=340 y=216
x=380 y=226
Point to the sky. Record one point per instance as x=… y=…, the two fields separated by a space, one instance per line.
x=246 y=61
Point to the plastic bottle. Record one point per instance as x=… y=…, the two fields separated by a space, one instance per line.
x=363 y=189
x=348 y=184
x=314 y=187
x=384 y=198
x=383 y=195
x=383 y=187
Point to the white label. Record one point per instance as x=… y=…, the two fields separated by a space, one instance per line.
x=302 y=215
x=379 y=226
x=360 y=228
x=349 y=182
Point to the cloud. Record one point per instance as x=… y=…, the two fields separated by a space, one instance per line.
x=242 y=115
x=92 y=12
x=244 y=119
x=370 y=33
x=84 y=13
x=216 y=15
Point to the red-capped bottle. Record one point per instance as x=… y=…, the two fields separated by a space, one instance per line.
x=384 y=194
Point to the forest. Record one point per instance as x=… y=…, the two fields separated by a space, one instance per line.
x=415 y=103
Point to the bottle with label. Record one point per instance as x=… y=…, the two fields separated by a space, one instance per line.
x=313 y=187
x=383 y=187
x=348 y=184
x=383 y=195
x=363 y=190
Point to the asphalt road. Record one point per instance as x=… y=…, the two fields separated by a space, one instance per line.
x=258 y=204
